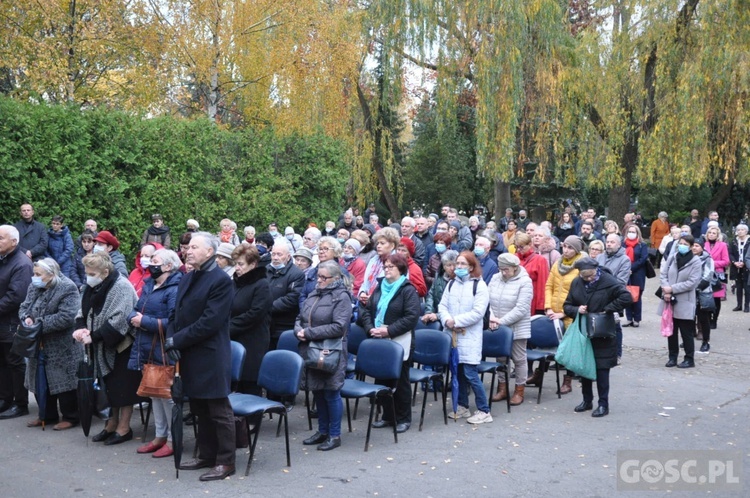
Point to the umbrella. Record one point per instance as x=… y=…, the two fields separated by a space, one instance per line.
x=85 y=391
x=454 y=373
x=41 y=385
x=178 y=398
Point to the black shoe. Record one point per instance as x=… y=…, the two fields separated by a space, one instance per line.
x=329 y=444
x=705 y=347
x=747 y=309
x=116 y=438
x=671 y=363
x=686 y=364
x=218 y=473
x=4 y=405
x=380 y=424
x=600 y=411
x=313 y=413
x=316 y=438
x=196 y=464
x=402 y=427
x=713 y=325
x=737 y=308
x=636 y=324
x=629 y=324
x=14 y=411
x=102 y=436
x=584 y=406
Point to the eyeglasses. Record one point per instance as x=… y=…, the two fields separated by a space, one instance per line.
x=389 y=267
x=324 y=278
x=324 y=249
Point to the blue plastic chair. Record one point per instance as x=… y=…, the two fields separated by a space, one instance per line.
x=542 y=346
x=496 y=343
x=432 y=349
x=356 y=335
x=288 y=341
x=280 y=374
x=380 y=359
x=436 y=325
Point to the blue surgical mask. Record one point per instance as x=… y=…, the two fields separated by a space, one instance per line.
x=349 y=257
x=99 y=249
x=479 y=251
x=683 y=249
x=38 y=282
x=462 y=272
x=440 y=248
x=278 y=267
x=290 y=236
x=341 y=241
x=682 y=234
x=273 y=233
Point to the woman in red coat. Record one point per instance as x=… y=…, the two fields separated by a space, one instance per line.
x=406 y=249
x=536 y=266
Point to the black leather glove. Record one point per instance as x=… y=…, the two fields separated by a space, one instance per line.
x=174 y=354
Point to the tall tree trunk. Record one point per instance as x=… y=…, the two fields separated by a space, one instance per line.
x=72 y=73
x=213 y=94
x=502 y=198
x=619 y=196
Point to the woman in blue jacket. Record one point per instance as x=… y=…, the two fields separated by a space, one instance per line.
x=637 y=252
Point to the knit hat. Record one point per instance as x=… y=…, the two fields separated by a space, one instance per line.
x=456 y=224
x=192 y=222
x=305 y=253
x=409 y=244
x=225 y=249
x=288 y=231
x=575 y=242
x=106 y=237
x=586 y=264
x=507 y=260
x=369 y=228
x=354 y=244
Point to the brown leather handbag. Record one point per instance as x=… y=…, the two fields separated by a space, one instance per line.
x=157 y=379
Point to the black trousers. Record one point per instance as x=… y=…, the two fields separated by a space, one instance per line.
x=12 y=373
x=68 y=407
x=686 y=330
x=602 y=387
x=216 y=433
x=402 y=396
x=703 y=318
x=742 y=288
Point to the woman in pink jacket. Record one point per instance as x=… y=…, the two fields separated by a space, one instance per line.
x=720 y=254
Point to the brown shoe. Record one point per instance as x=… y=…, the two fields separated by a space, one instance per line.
x=536 y=378
x=196 y=464
x=64 y=425
x=218 y=473
x=565 y=388
x=502 y=392
x=34 y=423
x=517 y=397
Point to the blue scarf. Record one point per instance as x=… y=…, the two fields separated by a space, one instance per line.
x=387 y=291
x=587 y=285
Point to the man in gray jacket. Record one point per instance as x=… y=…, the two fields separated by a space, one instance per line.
x=617 y=262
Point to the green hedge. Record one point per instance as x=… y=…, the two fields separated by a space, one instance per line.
x=119 y=169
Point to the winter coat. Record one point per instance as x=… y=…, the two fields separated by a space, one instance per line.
x=737 y=256
x=489 y=268
x=538 y=271
x=356 y=268
x=607 y=294
x=161 y=236
x=311 y=282
x=432 y=301
x=119 y=261
x=708 y=276
x=618 y=264
x=465 y=240
x=548 y=250
x=467 y=310
x=139 y=274
x=326 y=314
x=402 y=314
x=32 y=237
x=78 y=272
x=433 y=269
x=720 y=254
x=563 y=233
x=683 y=282
x=55 y=307
x=155 y=305
x=15 y=276
x=286 y=285
x=638 y=266
x=199 y=327
x=250 y=322
x=420 y=252
x=511 y=301
x=109 y=326
x=659 y=229
x=60 y=248
x=557 y=287
x=416 y=278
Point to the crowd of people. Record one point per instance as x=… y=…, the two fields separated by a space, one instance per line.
x=186 y=303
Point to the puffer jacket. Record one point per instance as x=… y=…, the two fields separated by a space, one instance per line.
x=510 y=301
x=558 y=286
x=432 y=301
x=708 y=275
x=467 y=309
x=60 y=248
x=683 y=282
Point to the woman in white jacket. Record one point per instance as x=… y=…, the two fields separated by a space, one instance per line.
x=461 y=311
x=511 y=292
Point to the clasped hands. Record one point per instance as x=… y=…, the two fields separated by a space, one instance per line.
x=83 y=336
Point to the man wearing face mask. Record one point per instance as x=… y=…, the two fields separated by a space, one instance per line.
x=294 y=239
x=482 y=248
x=286 y=282
x=15 y=276
x=105 y=241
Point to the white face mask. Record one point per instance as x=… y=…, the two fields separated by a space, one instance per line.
x=632 y=236
x=99 y=249
x=145 y=262
x=93 y=281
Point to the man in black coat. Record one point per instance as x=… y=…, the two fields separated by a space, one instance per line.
x=286 y=282
x=15 y=277
x=198 y=336
x=32 y=234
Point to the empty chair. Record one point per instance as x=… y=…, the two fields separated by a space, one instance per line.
x=541 y=347
x=288 y=341
x=431 y=349
x=497 y=343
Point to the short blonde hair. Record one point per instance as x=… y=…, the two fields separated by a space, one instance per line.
x=99 y=261
x=388 y=234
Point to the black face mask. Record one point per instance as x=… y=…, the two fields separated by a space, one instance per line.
x=155 y=271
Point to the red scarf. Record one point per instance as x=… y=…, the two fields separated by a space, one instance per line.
x=525 y=257
x=226 y=236
x=630 y=248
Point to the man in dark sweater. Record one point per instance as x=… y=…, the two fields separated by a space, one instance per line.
x=33 y=234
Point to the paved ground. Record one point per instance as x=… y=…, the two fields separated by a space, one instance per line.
x=536 y=449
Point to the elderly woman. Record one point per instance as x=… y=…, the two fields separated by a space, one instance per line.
x=60 y=245
x=140 y=272
x=303 y=259
x=365 y=251
x=406 y=249
x=668 y=242
x=637 y=252
x=659 y=229
x=224 y=258
x=545 y=245
x=353 y=264
x=596 y=248
x=704 y=291
x=326 y=315
x=107 y=300
x=537 y=270
x=250 y=316
x=392 y=312
x=738 y=252
x=442 y=242
x=149 y=318
x=610 y=226
x=445 y=275
x=461 y=311
x=227 y=233
x=719 y=252
x=52 y=300
x=679 y=280
x=385 y=241
x=597 y=291
x=249 y=232
x=329 y=249
x=511 y=296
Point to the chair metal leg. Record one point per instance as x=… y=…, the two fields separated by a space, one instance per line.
x=557 y=376
x=492 y=389
x=140 y=407
x=369 y=425
x=145 y=424
x=309 y=409
x=278 y=427
x=445 y=401
x=253 y=442
x=414 y=394
x=542 y=365
x=393 y=412
x=348 y=415
x=507 y=383
x=424 y=404
x=286 y=435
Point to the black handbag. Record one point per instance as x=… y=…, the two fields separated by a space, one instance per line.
x=601 y=325
x=324 y=355
x=650 y=271
x=706 y=301
x=26 y=339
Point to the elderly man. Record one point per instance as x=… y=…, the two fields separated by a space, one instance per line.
x=198 y=336
x=408 y=225
x=32 y=234
x=286 y=282
x=465 y=240
x=482 y=247
x=531 y=228
x=617 y=262
x=502 y=224
x=347 y=222
x=15 y=276
x=523 y=220
x=90 y=225
x=310 y=240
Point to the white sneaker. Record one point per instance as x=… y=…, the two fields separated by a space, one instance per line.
x=462 y=412
x=480 y=417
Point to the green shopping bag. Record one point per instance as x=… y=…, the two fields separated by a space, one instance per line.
x=575 y=351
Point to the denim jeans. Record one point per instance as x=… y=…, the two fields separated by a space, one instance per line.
x=330 y=411
x=162 y=410
x=468 y=376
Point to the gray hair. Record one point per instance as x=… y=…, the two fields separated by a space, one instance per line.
x=544 y=230
x=314 y=233
x=662 y=214
x=49 y=266
x=211 y=240
x=408 y=220
x=335 y=271
x=741 y=225
x=169 y=257
x=334 y=244
x=12 y=232
x=248 y=228
x=449 y=256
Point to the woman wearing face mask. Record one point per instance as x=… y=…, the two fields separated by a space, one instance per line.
x=52 y=299
x=149 y=318
x=442 y=242
x=445 y=275
x=637 y=252
x=102 y=326
x=720 y=254
x=738 y=253
x=679 y=280
x=704 y=291
x=354 y=265
x=142 y=261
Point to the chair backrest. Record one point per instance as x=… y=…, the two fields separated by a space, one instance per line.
x=280 y=372
x=431 y=347
x=380 y=358
x=238 y=360
x=436 y=325
x=288 y=341
x=544 y=333
x=356 y=335
x=497 y=342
